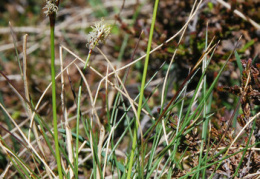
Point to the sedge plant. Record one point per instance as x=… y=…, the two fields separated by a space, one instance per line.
x=168 y=152
x=98 y=34
x=52 y=8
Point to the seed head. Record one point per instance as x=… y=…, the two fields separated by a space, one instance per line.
x=50 y=7
x=99 y=33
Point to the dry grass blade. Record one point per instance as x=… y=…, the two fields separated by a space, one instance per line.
x=101 y=131
x=19 y=94
x=159 y=46
x=29 y=110
x=168 y=70
x=45 y=91
x=207 y=51
x=27 y=142
x=226 y=5
x=242 y=130
x=9 y=152
x=121 y=83
x=105 y=77
x=15 y=129
x=65 y=116
x=93 y=111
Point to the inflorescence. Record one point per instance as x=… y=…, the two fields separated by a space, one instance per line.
x=99 y=33
x=51 y=7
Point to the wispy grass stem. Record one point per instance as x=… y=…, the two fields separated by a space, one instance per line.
x=142 y=92
x=78 y=116
x=54 y=107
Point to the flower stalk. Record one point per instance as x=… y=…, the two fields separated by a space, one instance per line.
x=131 y=160
x=98 y=35
x=51 y=10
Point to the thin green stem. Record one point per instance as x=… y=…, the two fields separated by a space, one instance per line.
x=206 y=122
x=55 y=123
x=100 y=33
x=78 y=116
x=142 y=92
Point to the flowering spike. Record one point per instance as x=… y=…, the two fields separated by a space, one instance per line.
x=99 y=33
x=51 y=7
